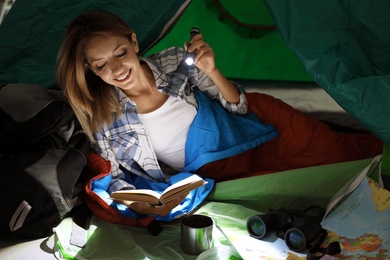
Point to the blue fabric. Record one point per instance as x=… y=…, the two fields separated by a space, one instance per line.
x=193 y=200
x=216 y=134
x=102 y=183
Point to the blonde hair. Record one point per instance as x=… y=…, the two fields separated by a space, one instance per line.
x=94 y=101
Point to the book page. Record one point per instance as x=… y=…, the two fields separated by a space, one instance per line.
x=141 y=195
x=150 y=196
x=182 y=187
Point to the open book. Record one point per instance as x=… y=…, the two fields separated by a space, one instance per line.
x=153 y=197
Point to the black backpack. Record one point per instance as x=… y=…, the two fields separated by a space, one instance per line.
x=43 y=152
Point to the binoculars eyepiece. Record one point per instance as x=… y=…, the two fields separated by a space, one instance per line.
x=298 y=228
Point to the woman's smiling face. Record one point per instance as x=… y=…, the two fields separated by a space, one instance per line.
x=114 y=59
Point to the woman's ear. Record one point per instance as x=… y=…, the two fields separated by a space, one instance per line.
x=134 y=42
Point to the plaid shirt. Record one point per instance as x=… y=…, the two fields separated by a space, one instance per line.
x=125 y=143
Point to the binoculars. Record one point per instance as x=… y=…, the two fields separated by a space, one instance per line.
x=298 y=228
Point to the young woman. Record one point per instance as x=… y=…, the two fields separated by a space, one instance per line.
x=139 y=112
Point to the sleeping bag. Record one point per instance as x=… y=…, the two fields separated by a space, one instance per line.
x=302 y=142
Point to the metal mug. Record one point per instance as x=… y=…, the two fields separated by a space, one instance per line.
x=196 y=234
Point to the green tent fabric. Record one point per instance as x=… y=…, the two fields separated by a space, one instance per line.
x=298 y=188
x=345 y=47
x=246 y=46
x=33 y=30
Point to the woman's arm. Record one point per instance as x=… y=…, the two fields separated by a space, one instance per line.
x=118 y=182
x=205 y=61
x=227 y=89
x=210 y=79
x=102 y=148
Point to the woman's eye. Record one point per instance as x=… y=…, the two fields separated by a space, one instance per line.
x=100 y=67
x=123 y=53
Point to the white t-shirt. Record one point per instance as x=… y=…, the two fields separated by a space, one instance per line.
x=167 y=128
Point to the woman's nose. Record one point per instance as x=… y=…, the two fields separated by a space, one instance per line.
x=115 y=66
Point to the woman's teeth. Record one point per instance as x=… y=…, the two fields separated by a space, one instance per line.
x=123 y=77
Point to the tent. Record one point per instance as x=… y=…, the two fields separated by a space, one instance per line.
x=349 y=57
x=300 y=47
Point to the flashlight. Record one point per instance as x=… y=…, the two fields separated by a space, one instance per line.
x=190 y=56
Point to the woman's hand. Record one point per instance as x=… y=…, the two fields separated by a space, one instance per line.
x=151 y=209
x=205 y=57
